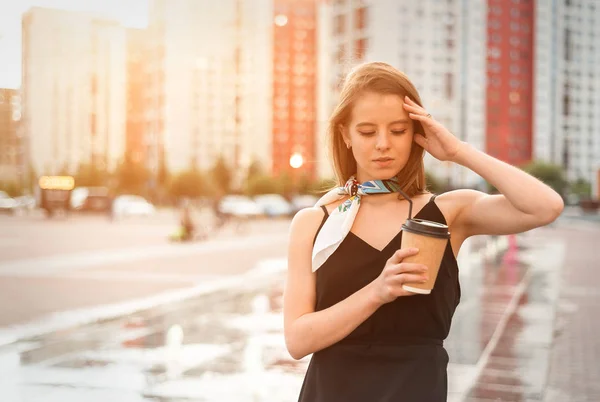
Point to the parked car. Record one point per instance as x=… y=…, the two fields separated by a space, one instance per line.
x=239 y=206
x=91 y=199
x=303 y=201
x=7 y=203
x=132 y=205
x=26 y=202
x=273 y=205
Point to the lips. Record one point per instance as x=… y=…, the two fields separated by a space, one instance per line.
x=383 y=159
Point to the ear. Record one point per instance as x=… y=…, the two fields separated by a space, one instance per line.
x=345 y=133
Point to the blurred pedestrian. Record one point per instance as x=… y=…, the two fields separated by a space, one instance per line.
x=185 y=221
x=344 y=302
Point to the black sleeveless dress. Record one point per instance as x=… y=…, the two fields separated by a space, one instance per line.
x=397 y=354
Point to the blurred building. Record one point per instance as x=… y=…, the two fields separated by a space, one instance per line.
x=510 y=78
x=294 y=84
x=135 y=141
x=233 y=79
x=206 y=71
x=12 y=155
x=73 y=87
x=567 y=86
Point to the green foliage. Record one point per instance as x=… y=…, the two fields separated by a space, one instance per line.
x=131 y=177
x=262 y=184
x=11 y=188
x=89 y=175
x=581 y=188
x=320 y=186
x=550 y=174
x=190 y=184
x=434 y=184
x=221 y=176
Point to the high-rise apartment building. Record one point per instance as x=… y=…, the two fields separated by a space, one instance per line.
x=234 y=80
x=193 y=116
x=135 y=141
x=73 y=87
x=567 y=87
x=294 y=85
x=12 y=155
x=510 y=79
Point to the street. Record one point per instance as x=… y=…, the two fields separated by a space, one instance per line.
x=96 y=310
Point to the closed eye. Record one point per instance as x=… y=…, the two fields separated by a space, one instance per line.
x=367 y=133
x=398 y=132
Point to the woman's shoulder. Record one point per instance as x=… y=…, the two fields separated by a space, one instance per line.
x=305 y=222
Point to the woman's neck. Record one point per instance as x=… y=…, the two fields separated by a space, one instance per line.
x=379 y=199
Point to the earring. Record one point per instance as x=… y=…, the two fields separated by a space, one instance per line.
x=348 y=145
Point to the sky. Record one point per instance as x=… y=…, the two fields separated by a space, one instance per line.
x=131 y=13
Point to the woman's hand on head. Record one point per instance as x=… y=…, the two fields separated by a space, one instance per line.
x=438 y=141
x=388 y=285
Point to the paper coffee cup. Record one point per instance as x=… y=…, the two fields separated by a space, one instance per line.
x=431 y=239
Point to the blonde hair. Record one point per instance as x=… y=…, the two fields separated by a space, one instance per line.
x=380 y=78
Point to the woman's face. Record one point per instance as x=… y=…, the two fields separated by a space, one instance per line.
x=381 y=135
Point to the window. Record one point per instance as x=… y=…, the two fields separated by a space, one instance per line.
x=361 y=18
x=449 y=85
x=341 y=54
x=339 y=26
x=360 y=48
x=566 y=104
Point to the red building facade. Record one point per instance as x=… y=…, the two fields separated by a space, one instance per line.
x=510 y=79
x=294 y=85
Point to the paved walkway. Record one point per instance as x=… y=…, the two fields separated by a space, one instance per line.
x=549 y=349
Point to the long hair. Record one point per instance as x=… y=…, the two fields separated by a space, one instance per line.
x=383 y=79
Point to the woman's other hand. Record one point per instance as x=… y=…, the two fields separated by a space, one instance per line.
x=388 y=286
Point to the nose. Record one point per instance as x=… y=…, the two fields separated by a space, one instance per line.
x=383 y=142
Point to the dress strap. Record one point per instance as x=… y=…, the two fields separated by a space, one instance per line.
x=322 y=222
x=432 y=199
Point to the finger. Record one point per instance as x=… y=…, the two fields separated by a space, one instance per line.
x=412 y=102
x=420 y=139
x=413 y=108
x=402 y=253
x=407 y=278
x=420 y=117
x=408 y=267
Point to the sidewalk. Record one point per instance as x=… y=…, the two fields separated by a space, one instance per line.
x=549 y=349
x=575 y=356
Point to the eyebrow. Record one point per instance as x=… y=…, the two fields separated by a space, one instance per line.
x=403 y=121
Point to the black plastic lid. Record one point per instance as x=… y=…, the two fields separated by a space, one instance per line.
x=426 y=228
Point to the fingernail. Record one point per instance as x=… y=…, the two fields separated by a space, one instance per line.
x=414 y=250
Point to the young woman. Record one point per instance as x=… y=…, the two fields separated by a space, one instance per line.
x=344 y=303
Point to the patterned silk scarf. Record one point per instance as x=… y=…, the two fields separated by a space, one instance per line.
x=340 y=221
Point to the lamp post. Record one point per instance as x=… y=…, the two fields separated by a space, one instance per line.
x=296 y=162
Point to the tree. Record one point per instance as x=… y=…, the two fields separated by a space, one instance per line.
x=89 y=175
x=434 y=184
x=221 y=176
x=255 y=170
x=581 y=188
x=262 y=184
x=550 y=174
x=11 y=188
x=132 y=177
x=190 y=183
